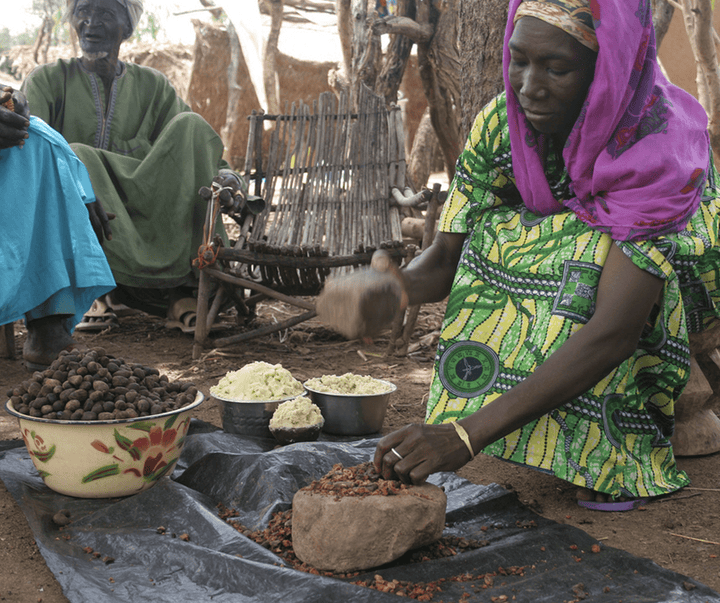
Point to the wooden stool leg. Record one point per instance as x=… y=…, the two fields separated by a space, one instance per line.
x=697 y=427
x=203 y=304
x=7 y=341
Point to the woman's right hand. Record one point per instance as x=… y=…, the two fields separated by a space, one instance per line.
x=13 y=123
x=416 y=451
x=365 y=302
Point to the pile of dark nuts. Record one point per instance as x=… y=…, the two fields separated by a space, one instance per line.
x=95 y=386
x=360 y=480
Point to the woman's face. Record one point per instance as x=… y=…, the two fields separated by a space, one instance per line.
x=101 y=26
x=550 y=73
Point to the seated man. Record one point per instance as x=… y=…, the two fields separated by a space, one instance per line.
x=51 y=262
x=147 y=154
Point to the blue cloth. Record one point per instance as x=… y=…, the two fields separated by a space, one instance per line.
x=50 y=259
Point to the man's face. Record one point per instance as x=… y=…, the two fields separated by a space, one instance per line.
x=101 y=26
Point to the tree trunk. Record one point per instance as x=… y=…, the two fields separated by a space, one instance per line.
x=366 y=51
x=662 y=14
x=699 y=27
x=422 y=154
x=42 y=42
x=270 y=78
x=345 y=31
x=396 y=58
x=234 y=92
x=482 y=33
x=439 y=66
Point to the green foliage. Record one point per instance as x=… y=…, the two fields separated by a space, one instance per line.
x=47 y=7
x=148 y=28
x=7 y=40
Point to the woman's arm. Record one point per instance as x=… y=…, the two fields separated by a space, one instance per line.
x=428 y=277
x=626 y=295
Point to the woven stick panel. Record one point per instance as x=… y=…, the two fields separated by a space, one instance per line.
x=328 y=176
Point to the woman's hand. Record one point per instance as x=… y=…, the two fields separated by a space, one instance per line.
x=100 y=221
x=424 y=449
x=14 y=123
x=365 y=302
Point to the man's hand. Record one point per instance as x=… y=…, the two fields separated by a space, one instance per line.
x=229 y=179
x=14 y=118
x=230 y=185
x=100 y=221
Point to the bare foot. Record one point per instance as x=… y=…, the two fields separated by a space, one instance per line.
x=592 y=496
x=598 y=501
x=47 y=337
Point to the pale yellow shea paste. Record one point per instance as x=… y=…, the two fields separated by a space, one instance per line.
x=348 y=383
x=258 y=381
x=300 y=412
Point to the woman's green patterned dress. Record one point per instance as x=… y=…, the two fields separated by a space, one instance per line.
x=525 y=283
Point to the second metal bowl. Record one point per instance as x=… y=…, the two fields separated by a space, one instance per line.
x=352 y=414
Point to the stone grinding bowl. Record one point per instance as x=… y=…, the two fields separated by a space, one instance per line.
x=291 y=435
x=105 y=459
x=249 y=417
x=352 y=414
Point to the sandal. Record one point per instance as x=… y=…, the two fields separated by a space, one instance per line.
x=615 y=505
x=98 y=318
x=182 y=315
x=118 y=308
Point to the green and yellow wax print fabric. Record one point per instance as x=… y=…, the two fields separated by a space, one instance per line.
x=147 y=154
x=525 y=284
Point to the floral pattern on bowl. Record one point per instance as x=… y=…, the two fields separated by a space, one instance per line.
x=103 y=459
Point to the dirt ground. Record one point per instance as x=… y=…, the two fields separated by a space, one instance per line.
x=681 y=533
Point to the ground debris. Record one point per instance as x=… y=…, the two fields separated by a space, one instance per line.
x=277 y=537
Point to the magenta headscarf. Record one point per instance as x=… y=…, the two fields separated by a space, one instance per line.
x=638 y=153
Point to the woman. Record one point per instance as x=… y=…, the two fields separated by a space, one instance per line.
x=147 y=154
x=51 y=262
x=578 y=245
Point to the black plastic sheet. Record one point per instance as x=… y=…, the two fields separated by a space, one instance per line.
x=219 y=564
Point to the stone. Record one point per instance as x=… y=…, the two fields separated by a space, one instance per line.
x=351 y=533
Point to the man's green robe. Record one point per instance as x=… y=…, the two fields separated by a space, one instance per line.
x=147 y=154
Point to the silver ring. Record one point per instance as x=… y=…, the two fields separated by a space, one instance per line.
x=397 y=454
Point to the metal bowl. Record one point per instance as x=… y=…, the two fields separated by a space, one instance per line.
x=249 y=417
x=352 y=414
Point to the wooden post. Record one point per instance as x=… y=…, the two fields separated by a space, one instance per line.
x=203 y=302
x=7 y=341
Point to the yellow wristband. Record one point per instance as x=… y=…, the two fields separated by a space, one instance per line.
x=464 y=437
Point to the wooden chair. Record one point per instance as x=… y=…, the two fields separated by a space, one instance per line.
x=328 y=182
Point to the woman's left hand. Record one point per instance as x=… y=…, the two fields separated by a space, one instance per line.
x=425 y=449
